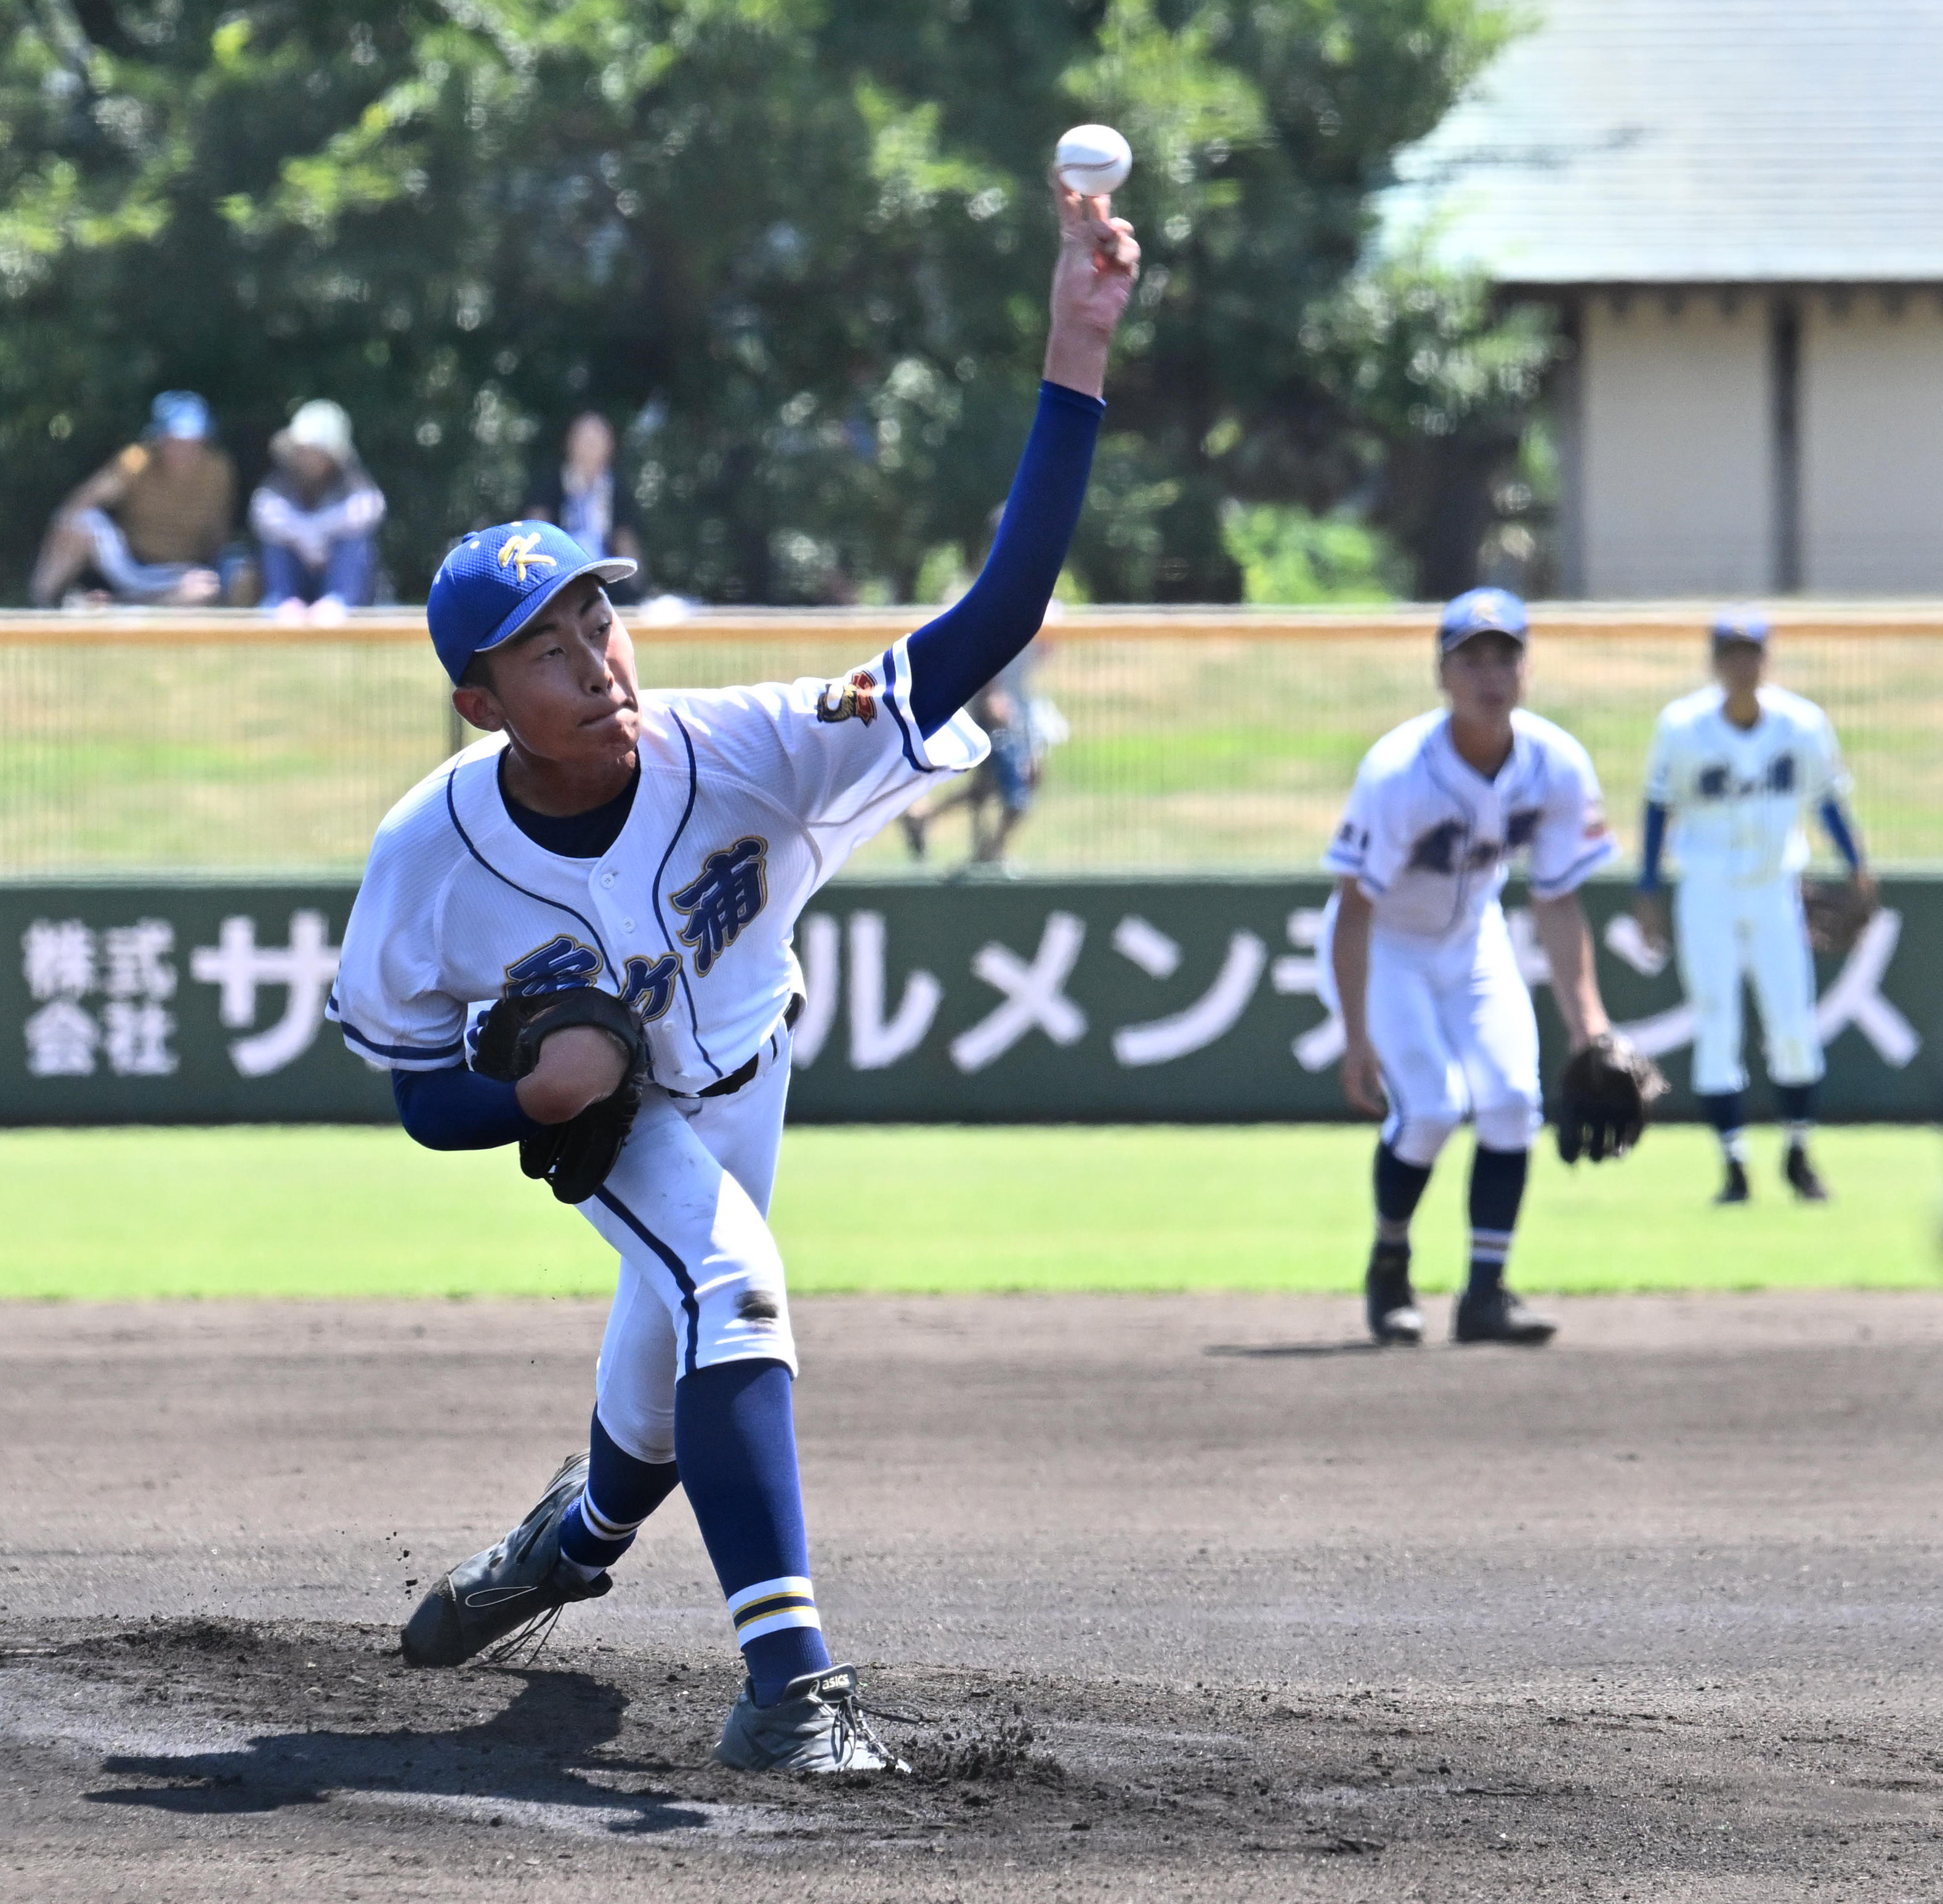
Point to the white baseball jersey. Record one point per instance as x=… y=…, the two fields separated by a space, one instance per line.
x=1430 y=840
x=1737 y=796
x=749 y=799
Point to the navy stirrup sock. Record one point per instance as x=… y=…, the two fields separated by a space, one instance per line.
x=1797 y=1110
x=1400 y=1187
x=1727 y=1112
x=1497 y=1189
x=734 y=1440
x=621 y=1491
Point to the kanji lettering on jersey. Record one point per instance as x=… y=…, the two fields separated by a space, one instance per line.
x=1436 y=851
x=650 y=985
x=552 y=967
x=730 y=890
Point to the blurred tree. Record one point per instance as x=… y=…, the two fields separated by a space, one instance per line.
x=797 y=250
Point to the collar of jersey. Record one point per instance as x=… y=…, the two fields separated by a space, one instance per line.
x=1515 y=759
x=482 y=812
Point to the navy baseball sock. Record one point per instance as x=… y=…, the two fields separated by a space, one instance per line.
x=734 y=1438
x=1727 y=1112
x=1797 y=1111
x=1497 y=1189
x=1399 y=1188
x=621 y=1491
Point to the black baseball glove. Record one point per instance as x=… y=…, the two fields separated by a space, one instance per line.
x=1836 y=910
x=574 y=1157
x=1603 y=1099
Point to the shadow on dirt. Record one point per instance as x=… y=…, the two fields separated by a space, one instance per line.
x=535 y=1752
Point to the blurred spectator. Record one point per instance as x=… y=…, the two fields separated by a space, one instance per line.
x=1023 y=728
x=583 y=495
x=316 y=515
x=151 y=525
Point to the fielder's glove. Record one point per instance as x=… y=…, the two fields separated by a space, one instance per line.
x=574 y=1157
x=1603 y=1098
x=1837 y=911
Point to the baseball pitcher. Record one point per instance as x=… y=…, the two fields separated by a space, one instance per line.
x=619 y=871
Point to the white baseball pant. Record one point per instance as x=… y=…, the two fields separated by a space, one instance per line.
x=1724 y=932
x=702 y=1280
x=1452 y=1023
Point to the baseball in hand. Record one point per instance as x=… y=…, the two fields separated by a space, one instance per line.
x=1093 y=160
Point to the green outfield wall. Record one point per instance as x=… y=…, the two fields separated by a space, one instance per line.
x=1053 y=999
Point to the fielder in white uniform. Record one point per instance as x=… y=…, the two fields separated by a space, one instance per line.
x=1734 y=770
x=660 y=846
x=1438 y=1020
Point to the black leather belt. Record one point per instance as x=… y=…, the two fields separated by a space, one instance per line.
x=728 y=1086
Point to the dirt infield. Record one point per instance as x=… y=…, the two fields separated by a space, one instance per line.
x=1173 y=1597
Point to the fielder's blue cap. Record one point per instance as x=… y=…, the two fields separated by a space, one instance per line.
x=1742 y=624
x=179 y=412
x=495 y=580
x=1481 y=611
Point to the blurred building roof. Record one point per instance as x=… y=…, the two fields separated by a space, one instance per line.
x=1694 y=141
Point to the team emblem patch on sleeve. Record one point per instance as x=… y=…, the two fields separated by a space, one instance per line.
x=731 y=889
x=855 y=699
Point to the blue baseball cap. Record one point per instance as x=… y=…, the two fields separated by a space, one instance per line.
x=179 y=413
x=1742 y=624
x=493 y=581
x=1481 y=611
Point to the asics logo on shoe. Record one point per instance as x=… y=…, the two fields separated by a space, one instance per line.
x=496 y=1596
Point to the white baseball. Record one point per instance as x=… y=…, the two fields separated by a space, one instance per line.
x=1093 y=160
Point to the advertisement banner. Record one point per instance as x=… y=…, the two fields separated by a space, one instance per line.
x=1033 y=1000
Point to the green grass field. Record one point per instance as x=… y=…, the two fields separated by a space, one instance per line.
x=1197 y=752
x=128 y=1214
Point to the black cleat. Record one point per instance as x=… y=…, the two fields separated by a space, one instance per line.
x=512 y=1586
x=1388 y=1301
x=1808 y=1187
x=1498 y=1315
x=1735 y=1190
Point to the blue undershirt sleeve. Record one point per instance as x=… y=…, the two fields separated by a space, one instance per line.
x=1653 y=846
x=458 y=1109
x=1835 y=822
x=953 y=656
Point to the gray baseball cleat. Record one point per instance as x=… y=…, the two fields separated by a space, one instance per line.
x=818 y=1725
x=1497 y=1316
x=508 y=1589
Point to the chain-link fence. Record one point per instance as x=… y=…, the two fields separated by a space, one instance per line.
x=1191 y=740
